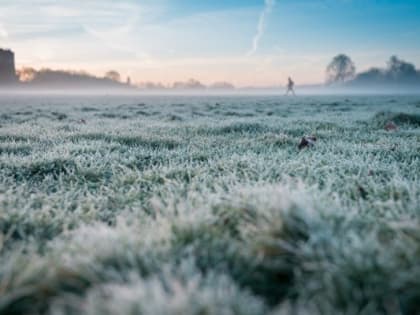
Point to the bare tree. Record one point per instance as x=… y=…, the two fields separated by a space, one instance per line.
x=340 y=69
x=113 y=76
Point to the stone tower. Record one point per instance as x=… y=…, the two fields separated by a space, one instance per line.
x=7 y=67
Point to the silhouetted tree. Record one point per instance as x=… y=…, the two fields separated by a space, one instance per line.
x=151 y=85
x=340 y=69
x=398 y=68
x=222 y=86
x=113 y=76
x=397 y=73
x=191 y=84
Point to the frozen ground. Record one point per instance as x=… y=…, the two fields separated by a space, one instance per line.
x=195 y=205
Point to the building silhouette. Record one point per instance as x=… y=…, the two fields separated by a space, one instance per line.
x=7 y=67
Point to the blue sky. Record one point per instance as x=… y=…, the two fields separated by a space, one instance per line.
x=247 y=42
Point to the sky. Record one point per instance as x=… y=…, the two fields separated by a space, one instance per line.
x=245 y=42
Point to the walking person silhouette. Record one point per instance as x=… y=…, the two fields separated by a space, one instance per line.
x=290 y=87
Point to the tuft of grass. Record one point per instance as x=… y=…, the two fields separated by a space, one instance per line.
x=237 y=127
x=16 y=138
x=131 y=141
x=40 y=170
x=16 y=149
x=89 y=109
x=382 y=118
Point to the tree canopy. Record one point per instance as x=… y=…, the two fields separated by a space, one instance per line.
x=340 y=69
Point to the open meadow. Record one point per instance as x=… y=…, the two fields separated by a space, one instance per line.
x=162 y=205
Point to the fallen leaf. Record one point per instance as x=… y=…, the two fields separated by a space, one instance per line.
x=391 y=126
x=307 y=141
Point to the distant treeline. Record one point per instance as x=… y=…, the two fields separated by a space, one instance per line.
x=341 y=73
x=191 y=84
x=397 y=73
x=48 y=78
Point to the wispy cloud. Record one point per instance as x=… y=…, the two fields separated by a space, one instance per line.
x=262 y=22
x=43 y=18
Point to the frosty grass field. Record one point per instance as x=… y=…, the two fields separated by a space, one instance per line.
x=205 y=205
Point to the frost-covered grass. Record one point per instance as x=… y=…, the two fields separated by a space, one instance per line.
x=204 y=205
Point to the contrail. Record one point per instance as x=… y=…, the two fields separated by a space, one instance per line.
x=269 y=4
